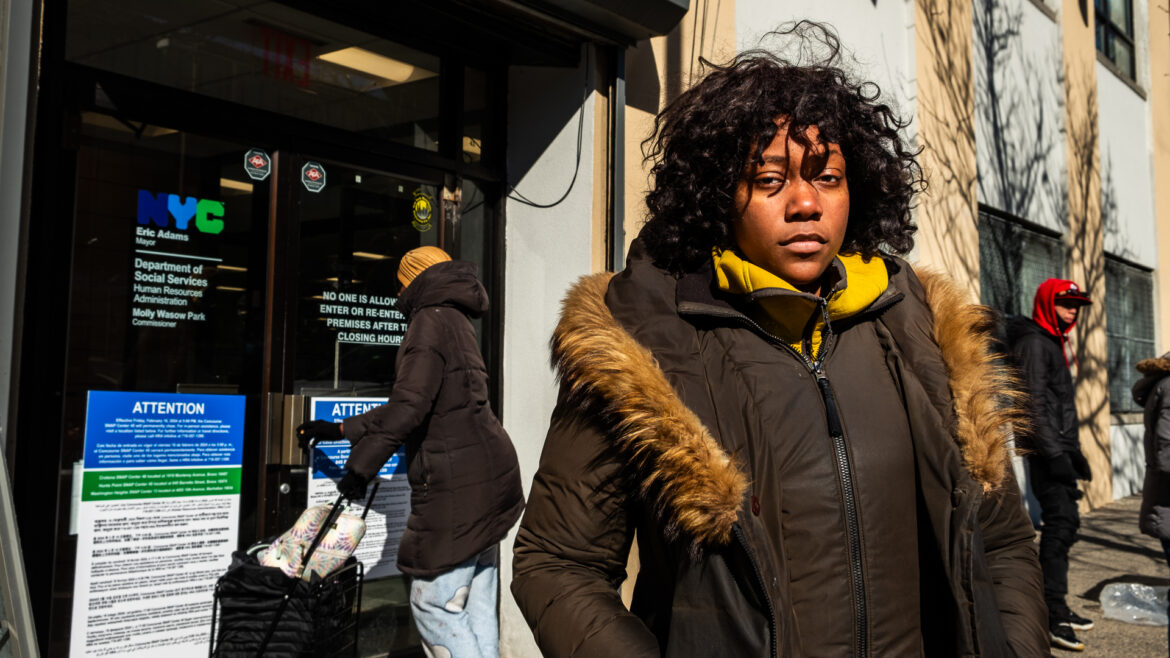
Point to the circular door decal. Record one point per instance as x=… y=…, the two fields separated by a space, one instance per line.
x=422 y=208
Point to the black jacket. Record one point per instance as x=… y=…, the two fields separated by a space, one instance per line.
x=673 y=413
x=464 y=475
x=1052 y=408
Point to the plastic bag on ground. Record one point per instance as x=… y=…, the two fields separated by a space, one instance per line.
x=1135 y=603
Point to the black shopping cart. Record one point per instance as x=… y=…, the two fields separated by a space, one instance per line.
x=259 y=611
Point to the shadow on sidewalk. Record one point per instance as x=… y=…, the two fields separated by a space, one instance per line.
x=1129 y=547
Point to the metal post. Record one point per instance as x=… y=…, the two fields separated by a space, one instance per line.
x=16 y=611
x=617 y=184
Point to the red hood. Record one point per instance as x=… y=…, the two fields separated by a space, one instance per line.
x=1044 y=306
x=1044 y=309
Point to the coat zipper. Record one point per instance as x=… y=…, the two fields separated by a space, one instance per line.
x=852 y=521
x=848 y=495
x=763 y=585
x=844 y=472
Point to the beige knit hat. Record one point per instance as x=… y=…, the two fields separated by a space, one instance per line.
x=417 y=260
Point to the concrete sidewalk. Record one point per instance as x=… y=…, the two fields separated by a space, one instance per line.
x=1112 y=550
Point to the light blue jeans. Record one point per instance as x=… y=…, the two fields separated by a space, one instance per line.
x=455 y=612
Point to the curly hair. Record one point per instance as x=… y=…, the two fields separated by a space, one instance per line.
x=704 y=139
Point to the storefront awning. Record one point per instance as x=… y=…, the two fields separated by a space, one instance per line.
x=621 y=19
x=533 y=32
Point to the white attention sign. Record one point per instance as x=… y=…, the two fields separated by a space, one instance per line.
x=157 y=521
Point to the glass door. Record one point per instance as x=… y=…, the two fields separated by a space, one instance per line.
x=345 y=229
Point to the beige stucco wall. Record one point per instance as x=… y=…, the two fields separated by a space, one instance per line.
x=657 y=71
x=1159 y=98
x=948 y=233
x=1086 y=242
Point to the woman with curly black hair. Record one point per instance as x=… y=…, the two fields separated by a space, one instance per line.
x=806 y=438
x=706 y=139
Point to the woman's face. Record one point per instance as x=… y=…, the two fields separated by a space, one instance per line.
x=793 y=208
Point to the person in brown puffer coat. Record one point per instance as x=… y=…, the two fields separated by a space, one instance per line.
x=463 y=471
x=1152 y=392
x=806 y=439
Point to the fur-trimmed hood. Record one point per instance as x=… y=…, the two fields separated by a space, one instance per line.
x=697 y=488
x=1159 y=365
x=1154 y=370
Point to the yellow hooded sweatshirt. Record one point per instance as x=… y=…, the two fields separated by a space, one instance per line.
x=794 y=316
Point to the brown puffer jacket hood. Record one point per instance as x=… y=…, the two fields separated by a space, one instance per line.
x=1154 y=370
x=451 y=283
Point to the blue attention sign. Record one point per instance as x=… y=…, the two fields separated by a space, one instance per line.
x=329 y=457
x=152 y=430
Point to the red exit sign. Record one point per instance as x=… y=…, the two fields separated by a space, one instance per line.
x=286 y=57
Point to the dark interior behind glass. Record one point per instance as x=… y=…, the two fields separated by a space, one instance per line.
x=269 y=56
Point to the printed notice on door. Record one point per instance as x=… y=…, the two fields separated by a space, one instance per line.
x=158 y=521
x=362 y=319
x=386 y=520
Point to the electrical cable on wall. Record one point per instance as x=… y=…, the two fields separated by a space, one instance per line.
x=515 y=194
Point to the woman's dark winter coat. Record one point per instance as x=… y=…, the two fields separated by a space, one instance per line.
x=673 y=402
x=463 y=472
x=1153 y=392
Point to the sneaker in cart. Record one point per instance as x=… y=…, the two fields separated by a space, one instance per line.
x=1063 y=637
x=1076 y=621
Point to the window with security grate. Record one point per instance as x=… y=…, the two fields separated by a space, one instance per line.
x=1129 y=328
x=1013 y=261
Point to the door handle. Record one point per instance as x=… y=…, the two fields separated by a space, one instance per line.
x=286 y=413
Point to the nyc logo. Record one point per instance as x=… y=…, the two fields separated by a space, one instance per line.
x=159 y=209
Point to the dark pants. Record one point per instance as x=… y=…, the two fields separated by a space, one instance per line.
x=1060 y=520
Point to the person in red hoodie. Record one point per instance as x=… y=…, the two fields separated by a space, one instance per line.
x=1055 y=460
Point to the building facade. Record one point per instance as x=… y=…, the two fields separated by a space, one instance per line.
x=207 y=202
